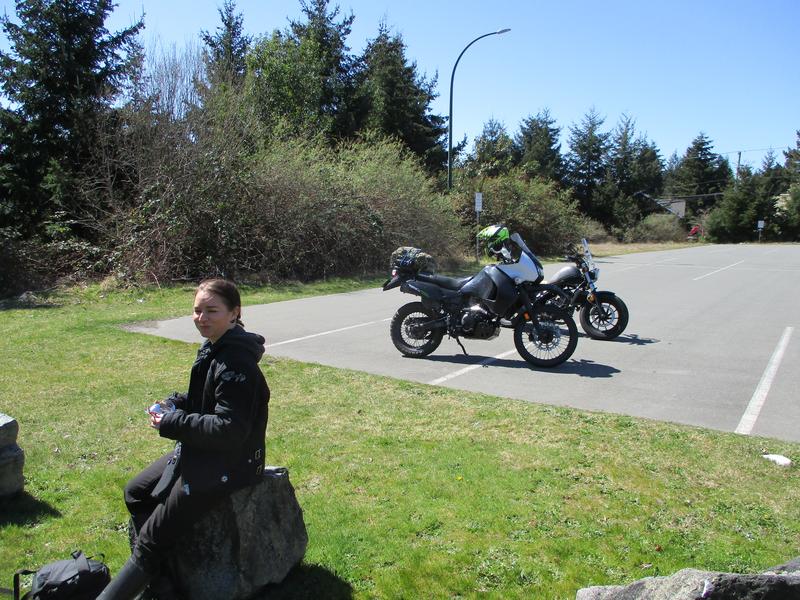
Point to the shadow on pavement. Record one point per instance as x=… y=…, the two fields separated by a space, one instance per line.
x=583 y=368
x=634 y=340
x=588 y=368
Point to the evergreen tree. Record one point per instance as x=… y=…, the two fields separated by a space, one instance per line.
x=395 y=100
x=303 y=78
x=736 y=215
x=494 y=153
x=325 y=39
x=226 y=50
x=634 y=165
x=63 y=71
x=701 y=176
x=283 y=86
x=586 y=165
x=788 y=215
x=772 y=179
x=538 y=147
x=792 y=164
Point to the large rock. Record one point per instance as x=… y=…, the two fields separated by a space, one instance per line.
x=777 y=583
x=9 y=428
x=12 y=458
x=252 y=539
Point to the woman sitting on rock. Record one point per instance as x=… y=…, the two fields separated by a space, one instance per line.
x=219 y=426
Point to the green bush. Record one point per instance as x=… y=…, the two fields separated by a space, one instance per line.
x=594 y=231
x=292 y=209
x=657 y=228
x=545 y=216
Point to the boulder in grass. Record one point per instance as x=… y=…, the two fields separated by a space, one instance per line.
x=781 y=582
x=9 y=428
x=12 y=458
x=252 y=539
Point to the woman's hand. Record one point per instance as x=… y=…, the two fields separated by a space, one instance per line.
x=155 y=419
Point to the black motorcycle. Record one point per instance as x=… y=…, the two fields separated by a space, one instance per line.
x=603 y=315
x=503 y=295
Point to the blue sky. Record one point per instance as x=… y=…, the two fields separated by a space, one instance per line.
x=728 y=68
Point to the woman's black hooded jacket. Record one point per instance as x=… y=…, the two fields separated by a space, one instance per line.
x=221 y=422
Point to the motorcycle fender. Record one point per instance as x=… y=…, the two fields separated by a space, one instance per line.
x=392 y=283
x=601 y=295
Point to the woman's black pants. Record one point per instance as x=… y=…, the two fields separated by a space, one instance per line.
x=159 y=522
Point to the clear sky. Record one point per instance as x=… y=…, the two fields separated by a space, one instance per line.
x=727 y=68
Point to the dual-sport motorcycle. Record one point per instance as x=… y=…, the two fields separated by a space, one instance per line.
x=502 y=295
x=603 y=315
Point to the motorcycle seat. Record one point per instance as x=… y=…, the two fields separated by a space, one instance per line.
x=448 y=283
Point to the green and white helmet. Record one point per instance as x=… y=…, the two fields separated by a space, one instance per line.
x=493 y=237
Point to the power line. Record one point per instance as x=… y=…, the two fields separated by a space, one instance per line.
x=780 y=148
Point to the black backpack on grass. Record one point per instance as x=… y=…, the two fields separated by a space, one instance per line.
x=77 y=578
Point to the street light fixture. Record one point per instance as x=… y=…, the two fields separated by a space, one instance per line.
x=450 y=118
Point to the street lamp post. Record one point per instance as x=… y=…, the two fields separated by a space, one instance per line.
x=450 y=118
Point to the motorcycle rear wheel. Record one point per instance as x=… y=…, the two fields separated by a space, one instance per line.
x=551 y=347
x=407 y=335
x=609 y=325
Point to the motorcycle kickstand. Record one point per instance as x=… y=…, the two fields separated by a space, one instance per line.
x=458 y=341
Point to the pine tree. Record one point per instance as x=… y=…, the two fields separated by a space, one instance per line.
x=772 y=178
x=64 y=71
x=792 y=164
x=736 y=215
x=302 y=79
x=395 y=100
x=326 y=41
x=701 y=175
x=283 y=86
x=538 y=147
x=494 y=152
x=226 y=50
x=586 y=165
x=634 y=165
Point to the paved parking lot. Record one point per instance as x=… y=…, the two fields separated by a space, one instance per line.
x=711 y=341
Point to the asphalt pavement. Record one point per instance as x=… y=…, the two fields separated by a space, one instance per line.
x=712 y=341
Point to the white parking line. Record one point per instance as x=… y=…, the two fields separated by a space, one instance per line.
x=460 y=372
x=313 y=335
x=753 y=409
x=717 y=271
x=639 y=266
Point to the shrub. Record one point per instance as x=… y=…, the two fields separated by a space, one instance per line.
x=657 y=228
x=594 y=231
x=545 y=216
x=222 y=202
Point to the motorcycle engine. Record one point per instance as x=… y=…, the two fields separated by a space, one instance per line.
x=476 y=323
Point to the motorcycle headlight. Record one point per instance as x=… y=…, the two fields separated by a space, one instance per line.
x=595 y=273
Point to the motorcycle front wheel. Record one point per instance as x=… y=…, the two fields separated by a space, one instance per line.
x=409 y=332
x=609 y=323
x=552 y=343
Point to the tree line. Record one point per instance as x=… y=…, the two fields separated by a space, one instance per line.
x=617 y=175
x=288 y=155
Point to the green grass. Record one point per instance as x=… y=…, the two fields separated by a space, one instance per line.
x=408 y=490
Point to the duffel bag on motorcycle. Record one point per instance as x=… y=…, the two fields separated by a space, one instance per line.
x=412 y=259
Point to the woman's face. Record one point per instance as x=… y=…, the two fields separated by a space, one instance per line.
x=211 y=316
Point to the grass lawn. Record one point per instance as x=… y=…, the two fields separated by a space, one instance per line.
x=408 y=490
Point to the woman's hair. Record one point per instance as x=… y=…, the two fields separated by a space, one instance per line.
x=227 y=291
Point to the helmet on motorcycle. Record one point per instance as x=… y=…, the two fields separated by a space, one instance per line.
x=493 y=237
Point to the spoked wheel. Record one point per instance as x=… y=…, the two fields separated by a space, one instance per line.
x=411 y=331
x=608 y=323
x=552 y=343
